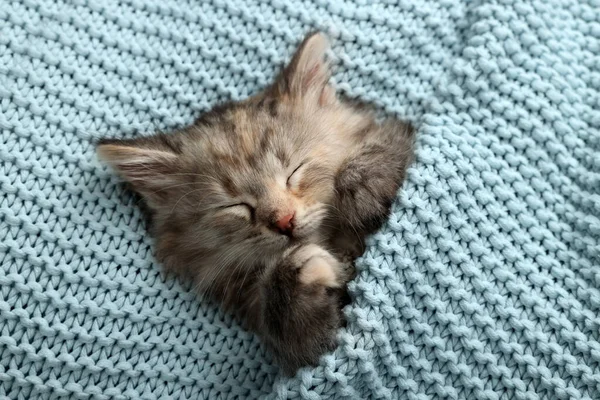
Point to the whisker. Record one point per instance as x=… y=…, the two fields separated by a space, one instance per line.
x=188 y=193
x=165 y=188
x=358 y=237
x=213 y=276
x=240 y=262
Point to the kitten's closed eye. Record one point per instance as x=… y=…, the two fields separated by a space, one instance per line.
x=241 y=210
x=293 y=180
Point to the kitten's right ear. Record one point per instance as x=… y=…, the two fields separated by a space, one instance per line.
x=146 y=163
x=306 y=77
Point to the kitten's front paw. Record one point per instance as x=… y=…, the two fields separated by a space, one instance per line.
x=302 y=301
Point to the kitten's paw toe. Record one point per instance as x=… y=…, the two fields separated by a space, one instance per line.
x=317 y=270
x=318 y=266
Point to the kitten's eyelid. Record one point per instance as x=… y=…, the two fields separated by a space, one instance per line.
x=297 y=168
x=236 y=208
x=237 y=204
x=294 y=173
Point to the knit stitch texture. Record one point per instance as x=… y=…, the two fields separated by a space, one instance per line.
x=484 y=284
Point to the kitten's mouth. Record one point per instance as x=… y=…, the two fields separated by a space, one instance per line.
x=293 y=239
x=301 y=234
x=307 y=225
x=289 y=237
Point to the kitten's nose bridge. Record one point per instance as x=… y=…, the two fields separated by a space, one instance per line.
x=278 y=210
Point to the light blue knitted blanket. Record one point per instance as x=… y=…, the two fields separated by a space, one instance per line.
x=484 y=284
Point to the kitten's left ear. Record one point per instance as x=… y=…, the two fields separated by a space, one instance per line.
x=149 y=164
x=307 y=75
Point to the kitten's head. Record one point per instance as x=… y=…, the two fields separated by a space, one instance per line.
x=248 y=179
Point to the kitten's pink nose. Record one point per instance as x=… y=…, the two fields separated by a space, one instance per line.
x=285 y=224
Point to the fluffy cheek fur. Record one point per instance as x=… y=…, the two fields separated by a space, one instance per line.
x=211 y=251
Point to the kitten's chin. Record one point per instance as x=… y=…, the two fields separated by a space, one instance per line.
x=280 y=243
x=285 y=242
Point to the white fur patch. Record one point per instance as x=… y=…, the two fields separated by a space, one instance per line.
x=318 y=266
x=239 y=211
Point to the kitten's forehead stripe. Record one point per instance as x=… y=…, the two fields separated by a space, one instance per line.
x=264 y=144
x=267 y=135
x=282 y=155
x=227 y=160
x=268 y=104
x=257 y=190
x=215 y=116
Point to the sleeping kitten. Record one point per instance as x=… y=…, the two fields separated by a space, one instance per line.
x=265 y=203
